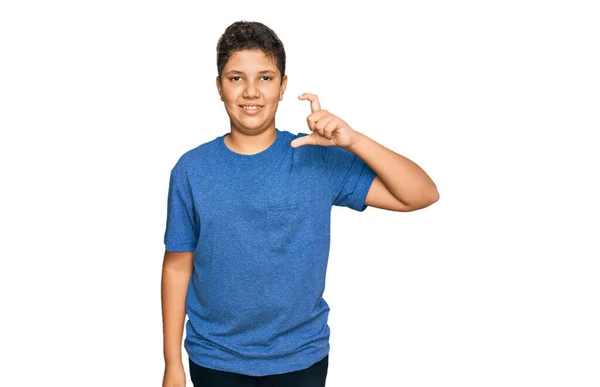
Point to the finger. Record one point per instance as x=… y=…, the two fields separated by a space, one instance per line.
x=330 y=127
x=323 y=123
x=304 y=140
x=313 y=118
x=314 y=101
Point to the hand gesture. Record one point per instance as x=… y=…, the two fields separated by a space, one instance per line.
x=327 y=129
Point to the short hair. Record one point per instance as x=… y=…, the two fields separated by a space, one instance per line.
x=247 y=35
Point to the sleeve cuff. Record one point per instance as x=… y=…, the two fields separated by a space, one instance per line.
x=362 y=189
x=179 y=248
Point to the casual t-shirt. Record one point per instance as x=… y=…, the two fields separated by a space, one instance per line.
x=259 y=227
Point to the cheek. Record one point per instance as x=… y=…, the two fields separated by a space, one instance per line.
x=232 y=92
x=273 y=95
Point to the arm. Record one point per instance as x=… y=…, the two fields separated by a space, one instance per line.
x=176 y=273
x=400 y=185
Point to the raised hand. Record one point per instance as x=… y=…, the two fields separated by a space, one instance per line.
x=327 y=129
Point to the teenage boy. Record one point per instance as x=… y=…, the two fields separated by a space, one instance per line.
x=248 y=226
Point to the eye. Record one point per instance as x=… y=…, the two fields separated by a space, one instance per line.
x=268 y=78
x=234 y=79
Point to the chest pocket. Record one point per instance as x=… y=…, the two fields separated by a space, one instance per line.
x=288 y=228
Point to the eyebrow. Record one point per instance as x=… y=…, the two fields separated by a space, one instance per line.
x=260 y=72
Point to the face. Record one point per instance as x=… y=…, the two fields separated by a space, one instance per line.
x=251 y=89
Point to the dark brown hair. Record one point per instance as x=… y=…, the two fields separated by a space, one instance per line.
x=246 y=35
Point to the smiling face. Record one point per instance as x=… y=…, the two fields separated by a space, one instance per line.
x=251 y=88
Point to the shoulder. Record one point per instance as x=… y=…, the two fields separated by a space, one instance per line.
x=193 y=158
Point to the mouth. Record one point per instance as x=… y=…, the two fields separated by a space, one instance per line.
x=251 y=107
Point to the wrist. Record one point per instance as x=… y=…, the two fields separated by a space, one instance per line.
x=173 y=359
x=355 y=144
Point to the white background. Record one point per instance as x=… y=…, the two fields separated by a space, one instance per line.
x=494 y=285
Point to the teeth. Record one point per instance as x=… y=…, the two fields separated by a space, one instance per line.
x=251 y=107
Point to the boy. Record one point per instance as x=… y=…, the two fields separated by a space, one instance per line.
x=248 y=226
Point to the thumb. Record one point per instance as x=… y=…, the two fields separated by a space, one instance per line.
x=304 y=140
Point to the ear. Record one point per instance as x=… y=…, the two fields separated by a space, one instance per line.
x=283 y=87
x=219 y=87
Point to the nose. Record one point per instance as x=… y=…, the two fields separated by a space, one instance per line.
x=251 y=90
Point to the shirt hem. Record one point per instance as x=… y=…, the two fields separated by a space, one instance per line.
x=236 y=367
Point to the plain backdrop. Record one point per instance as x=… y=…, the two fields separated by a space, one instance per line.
x=494 y=285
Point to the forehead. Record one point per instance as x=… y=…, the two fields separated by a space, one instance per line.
x=250 y=60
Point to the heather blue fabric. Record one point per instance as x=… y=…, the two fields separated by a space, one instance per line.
x=259 y=227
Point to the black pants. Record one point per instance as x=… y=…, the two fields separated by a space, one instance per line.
x=313 y=376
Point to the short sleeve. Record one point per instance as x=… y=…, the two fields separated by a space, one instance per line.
x=350 y=177
x=182 y=228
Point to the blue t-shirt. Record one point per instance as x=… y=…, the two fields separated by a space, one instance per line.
x=259 y=227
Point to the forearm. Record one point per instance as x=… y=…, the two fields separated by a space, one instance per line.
x=174 y=286
x=401 y=176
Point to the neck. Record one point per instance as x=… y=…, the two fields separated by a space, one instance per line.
x=250 y=143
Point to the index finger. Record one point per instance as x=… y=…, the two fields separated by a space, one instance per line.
x=314 y=101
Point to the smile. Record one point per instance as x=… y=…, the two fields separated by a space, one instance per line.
x=251 y=109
